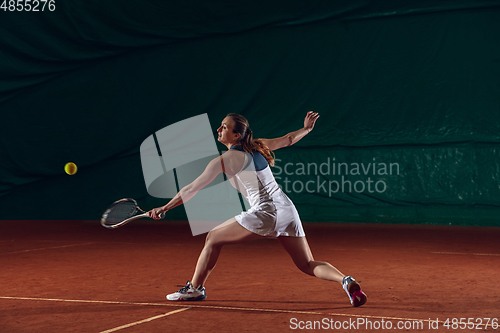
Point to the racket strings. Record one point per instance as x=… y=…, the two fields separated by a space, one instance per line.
x=120 y=212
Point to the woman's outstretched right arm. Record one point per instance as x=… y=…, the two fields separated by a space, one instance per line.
x=187 y=192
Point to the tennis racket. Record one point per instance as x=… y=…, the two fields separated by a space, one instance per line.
x=122 y=212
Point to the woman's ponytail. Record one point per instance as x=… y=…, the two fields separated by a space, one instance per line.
x=247 y=142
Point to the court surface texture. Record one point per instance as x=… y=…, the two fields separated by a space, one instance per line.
x=76 y=276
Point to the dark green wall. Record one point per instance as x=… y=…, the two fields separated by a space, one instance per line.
x=414 y=84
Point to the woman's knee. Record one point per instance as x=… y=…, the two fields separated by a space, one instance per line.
x=305 y=267
x=299 y=251
x=211 y=238
x=214 y=239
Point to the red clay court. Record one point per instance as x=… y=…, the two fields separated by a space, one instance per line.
x=76 y=276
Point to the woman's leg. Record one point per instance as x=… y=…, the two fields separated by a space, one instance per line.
x=299 y=250
x=301 y=254
x=230 y=232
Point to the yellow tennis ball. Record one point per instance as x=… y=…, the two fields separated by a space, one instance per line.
x=70 y=168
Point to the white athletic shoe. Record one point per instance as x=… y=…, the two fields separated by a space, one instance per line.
x=353 y=290
x=188 y=293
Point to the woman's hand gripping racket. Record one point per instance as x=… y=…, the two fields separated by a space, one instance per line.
x=122 y=212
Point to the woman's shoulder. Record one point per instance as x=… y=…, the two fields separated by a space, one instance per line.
x=233 y=161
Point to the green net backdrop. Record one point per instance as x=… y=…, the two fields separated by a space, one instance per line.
x=408 y=92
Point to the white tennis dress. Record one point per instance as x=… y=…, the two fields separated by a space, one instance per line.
x=271 y=212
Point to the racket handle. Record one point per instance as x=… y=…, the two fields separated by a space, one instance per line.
x=162 y=215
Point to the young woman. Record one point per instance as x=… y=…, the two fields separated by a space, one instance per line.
x=272 y=213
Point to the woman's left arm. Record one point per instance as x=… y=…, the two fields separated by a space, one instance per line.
x=187 y=192
x=293 y=137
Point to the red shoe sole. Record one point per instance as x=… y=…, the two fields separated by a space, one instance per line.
x=358 y=296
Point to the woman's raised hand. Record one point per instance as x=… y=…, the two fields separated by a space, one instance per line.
x=310 y=120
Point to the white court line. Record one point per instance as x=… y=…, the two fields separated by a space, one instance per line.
x=157 y=304
x=144 y=321
x=46 y=248
x=471 y=254
x=222 y=308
